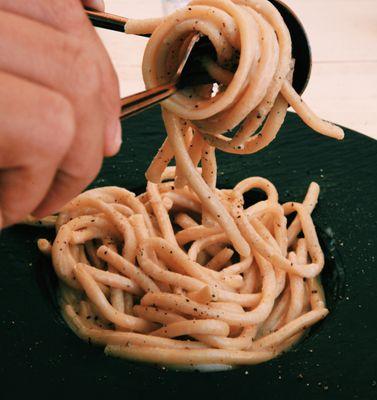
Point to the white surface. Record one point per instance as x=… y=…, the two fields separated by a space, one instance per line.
x=343 y=36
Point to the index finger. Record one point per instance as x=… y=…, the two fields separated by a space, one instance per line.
x=68 y=16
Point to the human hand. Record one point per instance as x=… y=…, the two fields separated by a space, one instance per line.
x=59 y=105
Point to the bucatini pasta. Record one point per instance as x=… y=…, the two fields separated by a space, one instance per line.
x=185 y=273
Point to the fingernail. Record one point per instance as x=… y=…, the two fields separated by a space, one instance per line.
x=96 y=4
x=113 y=140
x=118 y=137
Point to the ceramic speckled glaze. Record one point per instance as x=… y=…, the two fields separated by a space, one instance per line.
x=337 y=360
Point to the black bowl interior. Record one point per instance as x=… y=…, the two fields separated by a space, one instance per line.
x=337 y=360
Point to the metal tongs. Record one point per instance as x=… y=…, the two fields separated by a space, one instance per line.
x=190 y=71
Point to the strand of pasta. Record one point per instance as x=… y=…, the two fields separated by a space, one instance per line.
x=139 y=273
x=161 y=250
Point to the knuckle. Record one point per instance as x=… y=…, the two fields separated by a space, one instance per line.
x=92 y=75
x=59 y=125
x=86 y=73
x=111 y=88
